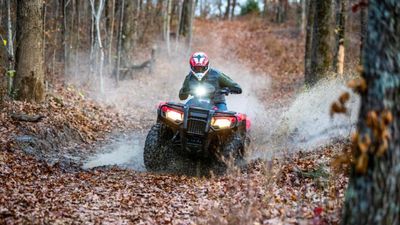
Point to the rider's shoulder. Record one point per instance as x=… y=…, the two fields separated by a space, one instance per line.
x=188 y=75
x=215 y=71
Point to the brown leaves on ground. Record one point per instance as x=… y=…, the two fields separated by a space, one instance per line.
x=67 y=117
x=301 y=189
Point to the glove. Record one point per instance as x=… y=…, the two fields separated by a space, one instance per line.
x=235 y=90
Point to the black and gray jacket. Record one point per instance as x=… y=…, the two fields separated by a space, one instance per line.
x=218 y=79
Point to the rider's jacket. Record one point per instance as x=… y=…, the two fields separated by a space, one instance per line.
x=215 y=78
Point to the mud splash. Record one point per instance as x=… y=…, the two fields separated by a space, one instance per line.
x=306 y=124
x=126 y=152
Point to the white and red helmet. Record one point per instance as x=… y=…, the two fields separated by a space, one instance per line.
x=199 y=64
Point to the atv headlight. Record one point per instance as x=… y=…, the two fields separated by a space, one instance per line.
x=200 y=91
x=222 y=122
x=172 y=114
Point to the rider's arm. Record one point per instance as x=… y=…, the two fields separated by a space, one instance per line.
x=184 y=92
x=226 y=81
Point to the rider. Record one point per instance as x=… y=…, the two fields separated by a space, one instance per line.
x=201 y=73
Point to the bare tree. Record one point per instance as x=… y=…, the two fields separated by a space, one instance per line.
x=265 y=10
x=321 y=41
x=66 y=35
x=227 y=9
x=281 y=8
x=119 y=41
x=128 y=32
x=10 y=49
x=373 y=195
x=308 y=45
x=234 y=3
x=110 y=12
x=98 y=43
x=180 y=5
x=338 y=61
x=168 y=26
x=303 y=19
x=187 y=17
x=138 y=9
x=191 y=20
x=219 y=6
x=30 y=73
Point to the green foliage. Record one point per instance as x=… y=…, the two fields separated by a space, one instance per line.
x=250 y=7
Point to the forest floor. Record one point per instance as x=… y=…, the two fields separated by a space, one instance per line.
x=44 y=180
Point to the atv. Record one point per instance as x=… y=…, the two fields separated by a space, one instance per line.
x=196 y=138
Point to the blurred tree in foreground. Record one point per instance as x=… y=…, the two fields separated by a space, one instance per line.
x=373 y=194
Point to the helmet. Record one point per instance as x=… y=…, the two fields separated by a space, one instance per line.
x=199 y=64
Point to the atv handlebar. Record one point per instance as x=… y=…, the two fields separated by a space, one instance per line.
x=227 y=91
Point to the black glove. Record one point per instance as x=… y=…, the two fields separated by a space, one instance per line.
x=225 y=91
x=235 y=90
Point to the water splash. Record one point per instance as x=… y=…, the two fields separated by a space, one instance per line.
x=306 y=123
x=124 y=152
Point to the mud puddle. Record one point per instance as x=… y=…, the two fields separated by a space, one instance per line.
x=125 y=151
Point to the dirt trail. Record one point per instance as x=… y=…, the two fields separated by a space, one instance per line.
x=247 y=51
x=141 y=95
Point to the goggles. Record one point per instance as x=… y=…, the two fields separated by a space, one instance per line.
x=199 y=69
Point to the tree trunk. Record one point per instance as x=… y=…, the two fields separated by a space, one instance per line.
x=136 y=24
x=110 y=21
x=227 y=9
x=164 y=19
x=363 y=30
x=119 y=42
x=321 y=48
x=75 y=40
x=265 y=11
x=111 y=38
x=278 y=12
x=281 y=11
x=338 y=62
x=66 y=36
x=128 y=32
x=233 y=9
x=30 y=74
x=308 y=45
x=185 y=22
x=191 y=21
x=303 y=8
x=10 y=49
x=219 y=6
x=168 y=26
x=98 y=42
x=180 y=5
x=61 y=36
x=373 y=193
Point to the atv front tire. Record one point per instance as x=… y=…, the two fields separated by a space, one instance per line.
x=231 y=154
x=156 y=148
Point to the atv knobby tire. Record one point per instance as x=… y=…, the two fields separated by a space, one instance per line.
x=160 y=155
x=156 y=149
x=231 y=154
